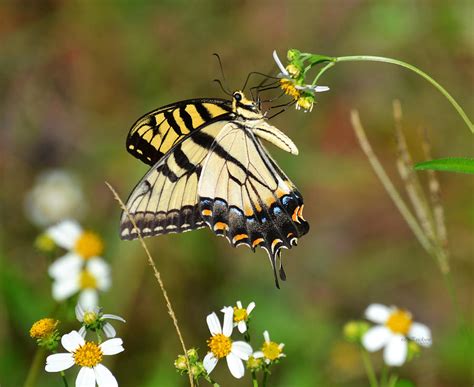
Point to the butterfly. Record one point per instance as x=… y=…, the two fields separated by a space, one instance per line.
x=210 y=169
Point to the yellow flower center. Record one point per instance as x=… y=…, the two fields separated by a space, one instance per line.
x=89 y=245
x=240 y=314
x=305 y=103
x=43 y=328
x=293 y=70
x=254 y=363
x=219 y=345
x=89 y=355
x=289 y=88
x=271 y=350
x=399 y=321
x=90 y=317
x=87 y=280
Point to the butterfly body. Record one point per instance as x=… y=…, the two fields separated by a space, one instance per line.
x=217 y=174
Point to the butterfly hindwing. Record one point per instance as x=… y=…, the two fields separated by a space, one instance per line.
x=154 y=134
x=165 y=200
x=244 y=195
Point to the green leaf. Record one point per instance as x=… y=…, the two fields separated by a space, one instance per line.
x=450 y=164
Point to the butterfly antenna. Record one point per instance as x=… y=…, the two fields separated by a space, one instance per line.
x=287 y=105
x=222 y=87
x=266 y=77
x=222 y=74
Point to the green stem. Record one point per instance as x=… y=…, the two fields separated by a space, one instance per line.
x=454 y=299
x=384 y=376
x=368 y=368
x=35 y=367
x=64 y=379
x=208 y=379
x=264 y=378
x=392 y=381
x=369 y=58
x=254 y=379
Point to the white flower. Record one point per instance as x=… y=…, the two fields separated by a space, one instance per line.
x=394 y=327
x=220 y=345
x=81 y=246
x=94 y=277
x=56 y=196
x=241 y=315
x=88 y=355
x=93 y=318
x=283 y=71
x=270 y=350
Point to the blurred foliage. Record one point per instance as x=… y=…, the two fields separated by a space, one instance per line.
x=75 y=75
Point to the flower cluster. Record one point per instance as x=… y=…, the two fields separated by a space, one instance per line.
x=394 y=330
x=292 y=80
x=237 y=353
x=86 y=354
x=81 y=270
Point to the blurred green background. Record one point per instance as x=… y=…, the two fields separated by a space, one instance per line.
x=74 y=76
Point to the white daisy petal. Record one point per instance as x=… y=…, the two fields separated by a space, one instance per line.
x=79 y=313
x=375 y=338
x=71 y=341
x=279 y=64
x=395 y=353
x=242 y=326
x=88 y=298
x=250 y=307
x=319 y=89
x=214 y=324
x=112 y=346
x=241 y=349
x=59 y=362
x=266 y=336
x=83 y=332
x=209 y=362
x=66 y=266
x=85 y=377
x=65 y=234
x=98 y=267
x=236 y=366
x=104 y=377
x=377 y=313
x=113 y=317
x=239 y=304
x=109 y=330
x=228 y=322
x=64 y=288
x=421 y=334
x=258 y=354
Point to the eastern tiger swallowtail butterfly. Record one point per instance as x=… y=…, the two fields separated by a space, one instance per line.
x=210 y=168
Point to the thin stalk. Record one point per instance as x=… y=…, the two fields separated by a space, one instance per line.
x=264 y=378
x=369 y=58
x=384 y=376
x=159 y=280
x=63 y=376
x=254 y=379
x=368 y=368
x=387 y=183
x=392 y=381
x=36 y=364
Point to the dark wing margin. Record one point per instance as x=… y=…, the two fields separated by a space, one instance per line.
x=154 y=134
x=165 y=200
x=246 y=197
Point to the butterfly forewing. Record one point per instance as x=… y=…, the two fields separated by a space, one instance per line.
x=165 y=200
x=154 y=134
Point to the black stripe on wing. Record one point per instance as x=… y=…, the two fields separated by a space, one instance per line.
x=155 y=133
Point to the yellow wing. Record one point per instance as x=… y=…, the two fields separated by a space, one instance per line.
x=154 y=134
x=165 y=200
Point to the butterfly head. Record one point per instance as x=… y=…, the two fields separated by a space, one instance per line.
x=244 y=107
